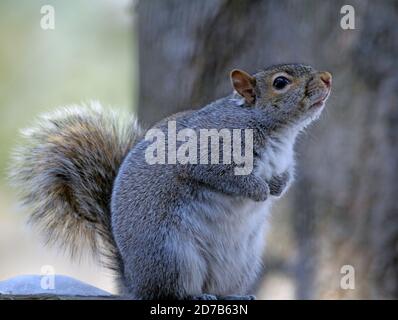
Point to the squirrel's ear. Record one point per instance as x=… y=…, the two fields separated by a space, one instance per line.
x=244 y=84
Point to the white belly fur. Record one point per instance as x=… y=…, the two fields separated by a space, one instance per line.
x=232 y=231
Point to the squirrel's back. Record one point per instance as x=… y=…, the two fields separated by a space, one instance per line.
x=65 y=171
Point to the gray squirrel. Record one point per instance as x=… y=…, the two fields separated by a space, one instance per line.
x=169 y=231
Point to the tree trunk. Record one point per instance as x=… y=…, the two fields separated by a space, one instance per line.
x=343 y=207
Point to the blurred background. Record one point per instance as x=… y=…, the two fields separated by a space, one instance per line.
x=89 y=55
x=156 y=57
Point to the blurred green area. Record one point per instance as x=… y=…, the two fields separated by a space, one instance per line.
x=87 y=56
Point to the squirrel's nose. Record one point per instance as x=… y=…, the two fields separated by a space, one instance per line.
x=326 y=78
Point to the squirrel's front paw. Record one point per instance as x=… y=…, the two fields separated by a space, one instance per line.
x=260 y=192
x=278 y=184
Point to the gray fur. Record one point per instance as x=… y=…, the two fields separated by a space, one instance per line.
x=170 y=231
x=65 y=171
x=188 y=230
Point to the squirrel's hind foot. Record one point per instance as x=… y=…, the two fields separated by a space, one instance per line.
x=236 y=297
x=205 y=296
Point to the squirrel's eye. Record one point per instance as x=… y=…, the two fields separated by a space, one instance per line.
x=280 y=83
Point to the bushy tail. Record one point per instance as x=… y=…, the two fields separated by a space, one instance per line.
x=65 y=172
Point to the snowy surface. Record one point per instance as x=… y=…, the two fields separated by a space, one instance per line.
x=55 y=284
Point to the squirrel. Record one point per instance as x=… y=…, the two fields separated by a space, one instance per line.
x=170 y=231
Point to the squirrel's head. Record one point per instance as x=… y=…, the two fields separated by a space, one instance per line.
x=289 y=93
